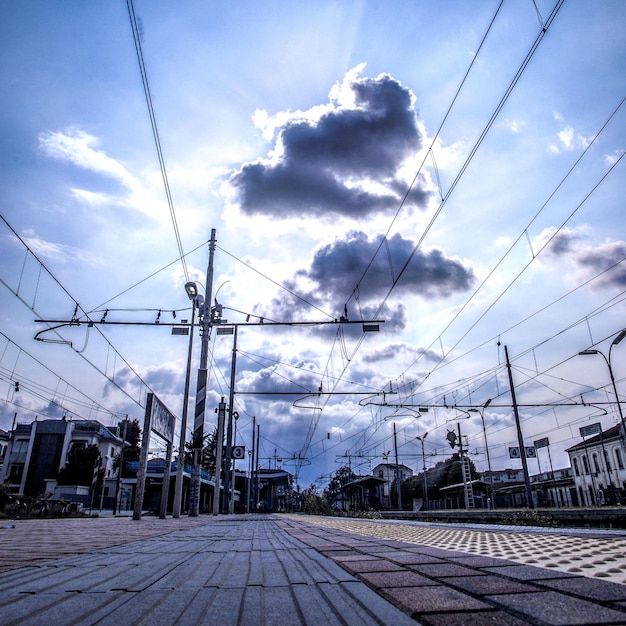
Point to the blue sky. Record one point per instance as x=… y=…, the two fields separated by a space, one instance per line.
x=368 y=157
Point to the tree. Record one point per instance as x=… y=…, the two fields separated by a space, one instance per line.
x=80 y=465
x=342 y=477
x=208 y=452
x=130 y=430
x=313 y=503
x=445 y=473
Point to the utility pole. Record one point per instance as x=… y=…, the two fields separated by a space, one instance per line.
x=198 y=424
x=221 y=415
x=119 y=470
x=178 y=485
x=228 y=478
x=256 y=467
x=251 y=466
x=398 y=482
x=520 y=438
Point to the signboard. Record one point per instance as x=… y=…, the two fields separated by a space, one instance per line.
x=542 y=443
x=592 y=429
x=157 y=419
x=239 y=452
x=162 y=421
x=514 y=452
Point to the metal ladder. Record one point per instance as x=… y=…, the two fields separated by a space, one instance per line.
x=467 y=483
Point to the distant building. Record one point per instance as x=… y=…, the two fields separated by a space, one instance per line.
x=37 y=451
x=387 y=472
x=599 y=467
x=275 y=491
x=550 y=489
x=4 y=444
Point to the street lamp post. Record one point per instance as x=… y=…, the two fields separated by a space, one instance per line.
x=201 y=389
x=425 y=485
x=481 y=412
x=196 y=299
x=615 y=341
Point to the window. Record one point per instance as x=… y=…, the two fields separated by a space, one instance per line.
x=596 y=466
x=607 y=461
x=585 y=465
x=576 y=469
x=19 y=450
x=618 y=456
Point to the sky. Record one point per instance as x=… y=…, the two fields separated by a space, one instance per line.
x=451 y=171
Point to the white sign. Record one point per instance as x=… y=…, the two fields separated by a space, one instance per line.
x=514 y=453
x=162 y=421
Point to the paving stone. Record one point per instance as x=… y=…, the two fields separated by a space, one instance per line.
x=352 y=556
x=487 y=585
x=418 y=601
x=473 y=560
x=365 y=607
x=437 y=570
x=558 y=609
x=378 y=565
x=405 y=558
x=396 y=579
x=525 y=572
x=482 y=618
x=589 y=588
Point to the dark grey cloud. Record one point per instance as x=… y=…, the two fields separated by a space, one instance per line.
x=324 y=162
x=563 y=242
x=395 y=350
x=610 y=255
x=337 y=273
x=338 y=267
x=606 y=259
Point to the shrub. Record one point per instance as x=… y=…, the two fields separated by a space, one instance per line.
x=528 y=518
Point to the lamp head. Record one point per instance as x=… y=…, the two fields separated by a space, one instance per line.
x=587 y=352
x=192 y=289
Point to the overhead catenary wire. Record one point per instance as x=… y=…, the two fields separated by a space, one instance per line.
x=155 y=132
x=77 y=309
x=509 y=90
x=525 y=231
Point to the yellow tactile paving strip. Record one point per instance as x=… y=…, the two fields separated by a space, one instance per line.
x=594 y=557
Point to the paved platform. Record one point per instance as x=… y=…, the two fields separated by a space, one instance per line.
x=284 y=570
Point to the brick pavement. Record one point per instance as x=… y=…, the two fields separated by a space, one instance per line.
x=276 y=570
x=206 y=570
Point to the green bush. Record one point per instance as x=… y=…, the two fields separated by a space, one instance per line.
x=528 y=518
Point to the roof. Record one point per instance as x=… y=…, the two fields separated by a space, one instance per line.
x=364 y=481
x=607 y=435
x=393 y=466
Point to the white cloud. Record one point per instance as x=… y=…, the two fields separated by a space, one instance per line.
x=514 y=125
x=80 y=148
x=60 y=253
x=611 y=159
